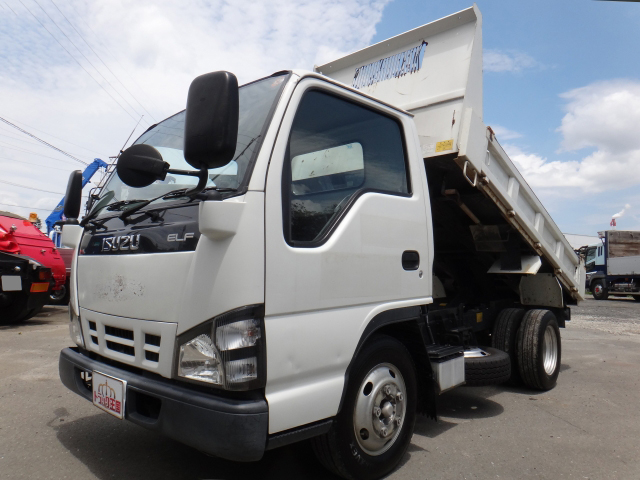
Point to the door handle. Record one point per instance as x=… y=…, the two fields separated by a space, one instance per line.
x=410 y=260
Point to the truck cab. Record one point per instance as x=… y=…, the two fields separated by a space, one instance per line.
x=302 y=257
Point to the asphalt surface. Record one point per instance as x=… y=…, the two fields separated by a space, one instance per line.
x=586 y=427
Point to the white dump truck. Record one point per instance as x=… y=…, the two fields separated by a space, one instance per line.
x=317 y=255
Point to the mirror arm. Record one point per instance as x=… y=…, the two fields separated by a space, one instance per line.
x=191 y=173
x=203 y=177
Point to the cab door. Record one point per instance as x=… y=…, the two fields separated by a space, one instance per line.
x=346 y=238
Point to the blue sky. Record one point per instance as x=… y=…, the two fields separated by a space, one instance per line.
x=561 y=82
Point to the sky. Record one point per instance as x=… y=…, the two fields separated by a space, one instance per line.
x=561 y=83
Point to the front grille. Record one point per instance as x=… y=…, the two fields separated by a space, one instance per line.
x=118 y=332
x=120 y=340
x=130 y=341
x=152 y=347
x=118 y=347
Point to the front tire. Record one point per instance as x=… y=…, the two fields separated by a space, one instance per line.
x=539 y=349
x=371 y=433
x=599 y=291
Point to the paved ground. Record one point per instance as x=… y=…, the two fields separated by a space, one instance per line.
x=587 y=427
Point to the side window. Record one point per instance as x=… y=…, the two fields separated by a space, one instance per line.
x=337 y=150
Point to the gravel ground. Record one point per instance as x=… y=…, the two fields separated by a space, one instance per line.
x=617 y=315
x=585 y=428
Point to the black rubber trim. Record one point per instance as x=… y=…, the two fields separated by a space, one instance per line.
x=228 y=428
x=299 y=433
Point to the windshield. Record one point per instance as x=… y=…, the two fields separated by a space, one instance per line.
x=256 y=103
x=591 y=255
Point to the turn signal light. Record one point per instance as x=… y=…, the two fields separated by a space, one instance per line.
x=44 y=274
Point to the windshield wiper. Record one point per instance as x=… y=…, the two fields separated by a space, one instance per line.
x=182 y=192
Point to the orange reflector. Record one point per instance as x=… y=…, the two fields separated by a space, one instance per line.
x=39 y=287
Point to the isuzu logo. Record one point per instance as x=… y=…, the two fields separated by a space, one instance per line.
x=124 y=242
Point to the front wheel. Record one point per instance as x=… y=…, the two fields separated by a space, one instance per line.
x=371 y=433
x=599 y=291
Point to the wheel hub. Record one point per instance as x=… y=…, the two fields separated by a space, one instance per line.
x=550 y=350
x=379 y=409
x=598 y=289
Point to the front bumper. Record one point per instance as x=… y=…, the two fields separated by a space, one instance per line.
x=226 y=428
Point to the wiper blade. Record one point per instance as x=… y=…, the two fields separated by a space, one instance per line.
x=116 y=205
x=175 y=194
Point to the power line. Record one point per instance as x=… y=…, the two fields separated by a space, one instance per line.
x=85 y=57
x=115 y=59
x=35 y=164
x=53 y=136
x=25 y=140
x=14 y=147
x=99 y=58
x=41 y=141
x=29 y=208
x=30 y=188
x=76 y=60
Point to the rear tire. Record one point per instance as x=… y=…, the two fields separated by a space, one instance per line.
x=539 y=350
x=367 y=446
x=505 y=338
x=492 y=369
x=16 y=311
x=599 y=291
x=636 y=298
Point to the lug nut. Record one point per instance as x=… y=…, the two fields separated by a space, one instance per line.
x=376 y=411
x=387 y=390
x=399 y=396
x=398 y=420
x=384 y=432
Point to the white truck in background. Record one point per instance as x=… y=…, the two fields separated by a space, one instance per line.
x=317 y=255
x=613 y=265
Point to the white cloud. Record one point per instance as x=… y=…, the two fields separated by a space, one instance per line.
x=605 y=117
x=159 y=47
x=503 y=133
x=508 y=61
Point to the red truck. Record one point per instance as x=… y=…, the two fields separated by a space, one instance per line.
x=21 y=241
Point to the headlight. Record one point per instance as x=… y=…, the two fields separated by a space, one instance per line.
x=227 y=351
x=75 y=328
x=200 y=360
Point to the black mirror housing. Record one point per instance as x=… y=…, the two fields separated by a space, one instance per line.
x=211 y=123
x=141 y=165
x=73 y=197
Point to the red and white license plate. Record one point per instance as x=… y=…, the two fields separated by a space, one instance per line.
x=109 y=394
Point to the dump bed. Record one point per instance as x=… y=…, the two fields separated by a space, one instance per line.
x=435 y=73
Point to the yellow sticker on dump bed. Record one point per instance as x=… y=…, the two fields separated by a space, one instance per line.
x=445 y=145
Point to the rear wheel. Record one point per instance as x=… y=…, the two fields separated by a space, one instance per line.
x=371 y=433
x=599 y=291
x=14 y=308
x=505 y=338
x=539 y=349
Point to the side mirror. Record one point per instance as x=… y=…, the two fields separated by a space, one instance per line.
x=211 y=123
x=141 y=165
x=73 y=197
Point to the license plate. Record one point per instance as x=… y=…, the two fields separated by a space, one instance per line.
x=11 y=283
x=109 y=394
